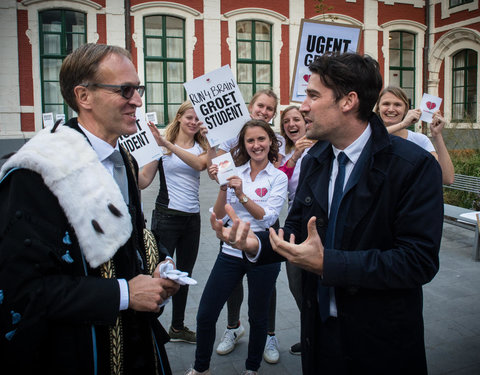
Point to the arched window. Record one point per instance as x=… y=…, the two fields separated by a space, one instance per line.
x=164 y=51
x=464 y=87
x=254 y=57
x=61 y=32
x=402 y=62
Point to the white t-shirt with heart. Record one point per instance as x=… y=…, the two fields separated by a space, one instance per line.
x=269 y=190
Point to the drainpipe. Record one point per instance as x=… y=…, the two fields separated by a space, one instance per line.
x=426 y=51
x=128 y=32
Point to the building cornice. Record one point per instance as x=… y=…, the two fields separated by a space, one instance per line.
x=401 y=23
x=165 y=4
x=249 y=11
x=78 y=2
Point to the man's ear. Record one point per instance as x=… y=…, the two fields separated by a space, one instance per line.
x=350 y=101
x=83 y=97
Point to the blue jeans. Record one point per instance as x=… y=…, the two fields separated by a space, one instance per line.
x=180 y=234
x=226 y=274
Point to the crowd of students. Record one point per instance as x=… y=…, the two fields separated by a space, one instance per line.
x=266 y=162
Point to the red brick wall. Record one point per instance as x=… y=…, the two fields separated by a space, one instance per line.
x=25 y=71
x=199 y=51
x=285 y=67
x=28 y=122
x=102 y=28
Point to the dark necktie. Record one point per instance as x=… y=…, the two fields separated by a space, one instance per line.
x=323 y=291
x=119 y=173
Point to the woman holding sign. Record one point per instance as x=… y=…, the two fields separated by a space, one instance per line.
x=392 y=107
x=257 y=193
x=262 y=106
x=177 y=208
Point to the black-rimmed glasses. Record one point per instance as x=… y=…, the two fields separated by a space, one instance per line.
x=126 y=91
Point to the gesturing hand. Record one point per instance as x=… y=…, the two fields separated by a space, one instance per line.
x=239 y=236
x=156 y=134
x=307 y=255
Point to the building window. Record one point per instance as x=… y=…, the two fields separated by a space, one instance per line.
x=402 y=62
x=61 y=32
x=454 y=3
x=164 y=41
x=464 y=96
x=254 y=57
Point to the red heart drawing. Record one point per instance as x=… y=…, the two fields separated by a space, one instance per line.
x=261 y=191
x=306 y=77
x=431 y=105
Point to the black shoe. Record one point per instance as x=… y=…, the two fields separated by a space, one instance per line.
x=296 y=349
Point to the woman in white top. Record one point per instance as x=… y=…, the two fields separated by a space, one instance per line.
x=176 y=218
x=262 y=106
x=392 y=107
x=257 y=193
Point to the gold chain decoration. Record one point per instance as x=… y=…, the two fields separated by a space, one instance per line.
x=151 y=250
x=107 y=271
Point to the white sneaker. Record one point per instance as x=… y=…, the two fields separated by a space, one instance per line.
x=191 y=371
x=271 y=354
x=229 y=339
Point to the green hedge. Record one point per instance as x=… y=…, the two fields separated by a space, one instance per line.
x=465 y=162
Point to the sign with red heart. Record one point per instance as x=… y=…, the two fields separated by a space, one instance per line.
x=306 y=77
x=261 y=192
x=431 y=105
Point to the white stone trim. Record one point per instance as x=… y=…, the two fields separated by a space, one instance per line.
x=338 y=18
x=164 y=8
x=264 y=15
x=415 y=3
x=419 y=30
x=267 y=12
x=165 y=5
x=447 y=46
x=88 y=3
x=34 y=7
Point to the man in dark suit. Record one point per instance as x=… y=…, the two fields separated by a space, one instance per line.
x=367 y=248
x=77 y=294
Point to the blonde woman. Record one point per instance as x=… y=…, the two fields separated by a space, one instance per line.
x=176 y=217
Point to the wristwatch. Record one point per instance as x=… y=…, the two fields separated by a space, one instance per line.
x=243 y=199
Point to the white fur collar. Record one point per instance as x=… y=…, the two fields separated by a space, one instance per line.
x=70 y=168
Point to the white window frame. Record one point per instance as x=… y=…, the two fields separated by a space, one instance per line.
x=447 y=11
x=164 y=8
x=412 y=27
x=33 y=7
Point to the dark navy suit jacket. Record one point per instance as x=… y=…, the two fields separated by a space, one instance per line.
x=386 y=247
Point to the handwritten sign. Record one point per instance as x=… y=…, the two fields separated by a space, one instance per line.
x=226 y=167
x=315 y=39
x=48 y=120
x=142 y=145
x=219 y=104
x=429 y=105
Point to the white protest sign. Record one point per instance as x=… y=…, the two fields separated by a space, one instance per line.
x=429 y=105
x=315 y=39
x=152 y=117
x=60 y=116
x=48 y=120
x=226 y=167
x=219 y=104
x=142 y=145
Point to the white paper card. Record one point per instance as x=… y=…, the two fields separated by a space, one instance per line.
x=219 y=104
x=60 y=116
x=226 y=167
x=142 y=145
x=429 y=105
x=48 y=120
x=152 y=117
